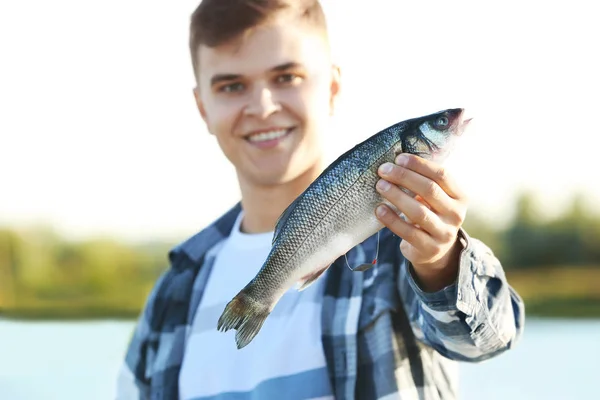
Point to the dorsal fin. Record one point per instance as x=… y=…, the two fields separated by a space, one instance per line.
x=283 y=217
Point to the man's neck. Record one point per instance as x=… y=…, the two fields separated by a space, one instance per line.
x=264 y=204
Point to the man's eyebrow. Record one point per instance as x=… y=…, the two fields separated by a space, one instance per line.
x=224 y=78
x=232 y=77
x=286 y=66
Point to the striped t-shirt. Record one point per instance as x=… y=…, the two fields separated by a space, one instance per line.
x=284 y=361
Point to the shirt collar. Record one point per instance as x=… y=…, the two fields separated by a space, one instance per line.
x=196 y=246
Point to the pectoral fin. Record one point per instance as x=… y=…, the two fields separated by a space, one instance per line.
x=309 y=279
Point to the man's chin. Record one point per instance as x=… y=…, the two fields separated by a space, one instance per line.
x=281 y=172
x=274 y=177
x=270 y=179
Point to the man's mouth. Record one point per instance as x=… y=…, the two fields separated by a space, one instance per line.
x=272 y=135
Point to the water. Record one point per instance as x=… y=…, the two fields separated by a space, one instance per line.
x=557 y=359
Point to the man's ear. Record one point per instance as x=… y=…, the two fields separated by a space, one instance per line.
x=200 y=104
x=336 y=74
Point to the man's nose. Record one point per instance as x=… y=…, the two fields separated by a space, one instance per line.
x=262 y=103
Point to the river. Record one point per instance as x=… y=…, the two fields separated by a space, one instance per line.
x=557 y=359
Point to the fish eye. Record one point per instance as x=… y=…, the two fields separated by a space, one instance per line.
x=442 y=121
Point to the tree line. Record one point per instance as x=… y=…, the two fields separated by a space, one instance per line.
x=531 y=241
x=41 y=272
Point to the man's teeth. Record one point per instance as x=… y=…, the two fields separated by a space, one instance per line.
x=263 y=136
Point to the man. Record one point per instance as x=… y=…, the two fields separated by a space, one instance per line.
x=266 y=88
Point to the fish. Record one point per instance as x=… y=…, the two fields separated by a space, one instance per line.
x=333 y=214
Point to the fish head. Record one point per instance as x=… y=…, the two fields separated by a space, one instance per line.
x=433 y=136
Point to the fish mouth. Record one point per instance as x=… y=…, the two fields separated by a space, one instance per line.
x=463 y=121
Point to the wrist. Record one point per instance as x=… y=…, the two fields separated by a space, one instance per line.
x=441 y=273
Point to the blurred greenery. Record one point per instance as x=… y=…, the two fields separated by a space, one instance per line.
x=42 y=275
x=554 y=264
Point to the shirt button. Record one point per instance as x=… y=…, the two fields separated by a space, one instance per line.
x=479 y=328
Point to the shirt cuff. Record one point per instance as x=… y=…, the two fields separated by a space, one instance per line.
x=451 y=296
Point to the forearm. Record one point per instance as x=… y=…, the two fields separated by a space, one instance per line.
x=474 y=318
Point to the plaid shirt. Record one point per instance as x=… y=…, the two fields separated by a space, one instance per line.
x=383 y=337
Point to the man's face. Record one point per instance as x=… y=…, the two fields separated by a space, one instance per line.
x=267 y=100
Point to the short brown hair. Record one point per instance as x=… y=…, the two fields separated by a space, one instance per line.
x=216 y=22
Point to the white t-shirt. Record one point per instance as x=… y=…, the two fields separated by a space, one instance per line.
x=285 y=359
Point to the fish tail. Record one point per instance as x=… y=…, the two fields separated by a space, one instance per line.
x=244 y=314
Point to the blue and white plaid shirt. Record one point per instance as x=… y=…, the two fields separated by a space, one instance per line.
x=383 y=337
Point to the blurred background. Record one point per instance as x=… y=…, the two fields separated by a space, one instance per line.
x=105 y=164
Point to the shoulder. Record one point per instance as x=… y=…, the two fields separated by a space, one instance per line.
x=196 y=246
x=167 y=305
x=185 y=261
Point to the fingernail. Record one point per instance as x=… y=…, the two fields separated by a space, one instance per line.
x=401 y=159
x=383 y=185
x=380 y=210
x=386 y=168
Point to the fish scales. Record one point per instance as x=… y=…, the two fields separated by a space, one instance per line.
x=331 y=216
x=331 y=207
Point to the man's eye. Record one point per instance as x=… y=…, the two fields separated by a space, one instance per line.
x=231 y=87
x=287 y=78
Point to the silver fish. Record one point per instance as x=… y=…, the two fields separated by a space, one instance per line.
x=335 y=213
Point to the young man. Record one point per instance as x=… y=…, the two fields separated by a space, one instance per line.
x=266 y=87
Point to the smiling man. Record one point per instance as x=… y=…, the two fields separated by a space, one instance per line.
x=266 y=88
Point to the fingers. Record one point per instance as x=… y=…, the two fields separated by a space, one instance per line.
x=432 y=202
x=408 y=232
x=416 y=212
x=427 y=188
x=433 y=171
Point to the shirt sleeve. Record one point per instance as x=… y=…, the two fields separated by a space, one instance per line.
x=126 y=387
x=475 y=318
x=132 y=380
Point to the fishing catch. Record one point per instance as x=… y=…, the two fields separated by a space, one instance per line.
x=334 y=214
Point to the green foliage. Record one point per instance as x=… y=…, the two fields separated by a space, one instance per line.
x=530 y=241
x=43 y=275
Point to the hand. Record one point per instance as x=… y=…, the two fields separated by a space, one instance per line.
x=430 y=236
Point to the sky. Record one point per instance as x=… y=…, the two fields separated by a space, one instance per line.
x=99 y=134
